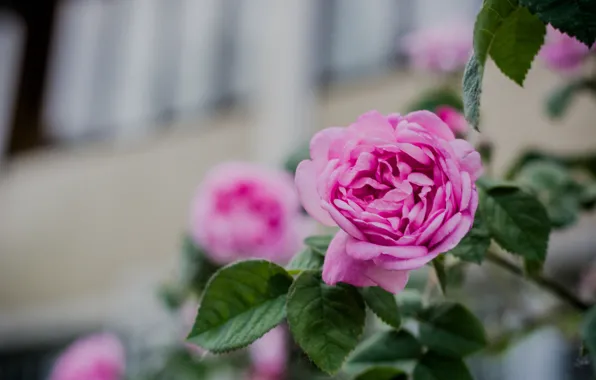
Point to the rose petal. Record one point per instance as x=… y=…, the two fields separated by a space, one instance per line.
x=391 y=263
x=455 y=237
x=420 y=179
x=307 y=191
x=394 y=119
x=322 y=141
x=363 y=250
x=380 y=238
x=473 y=201
x=393 y=281
x=439 y=201
x=447 y=228
x=367 y=181
x=340 y=267
x=372 y=125
x=466 y=191
x=342 y=222
x=401 y=192
x=366 y=162
x=344 y=206
x=468 y=158
x=327 y=179
x=432 y=123
x=429 y=230
x=415 y=152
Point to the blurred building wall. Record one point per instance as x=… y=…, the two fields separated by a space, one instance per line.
x=12 y=36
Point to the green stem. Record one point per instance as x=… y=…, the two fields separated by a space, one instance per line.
x=294 y=272
x=543 y=282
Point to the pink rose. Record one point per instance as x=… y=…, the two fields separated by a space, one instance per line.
x=562 y=52
x=96 y=357
x=269 y=355
x=245 y=211
x=442 y=49
x=401 y=188
x=454 y=119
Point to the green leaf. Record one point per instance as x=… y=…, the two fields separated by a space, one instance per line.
x=441 y=272
x=451 y=330
x=319 y=243
x=242 y=302
x=383 y=304
x=489 y=20
x=516 y=220
x=435 y=98
x=587 y=196
x=555 y=187
x=196 y=268
x=574 y=17
x=409 y=303
x=588 y=334
x=435 y=367
x=326 y=321
x=473 y=246
x=181 y=365
x=472 y=90
x=387 y=347
x=516 y=43
x=559 y=100
x=308 y=259
x=382 y=373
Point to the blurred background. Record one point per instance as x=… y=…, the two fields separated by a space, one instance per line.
x=111 y=111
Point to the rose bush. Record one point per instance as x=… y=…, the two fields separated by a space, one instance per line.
x=561 y=52
x=96 y=357
x=401 y=188
x=242 y=210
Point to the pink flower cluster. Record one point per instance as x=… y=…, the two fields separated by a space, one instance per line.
x=401 y=188
x=562 y=52
x=243 y=211
x=442 y=49
x=96 y=357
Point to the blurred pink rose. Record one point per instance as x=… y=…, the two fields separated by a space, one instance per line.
x=562 y=52
x=188 y=314
x=454 y=119
x=269 y=355
x=245 y=211
x=96 y=357
x=401 y=188
x=442 y=49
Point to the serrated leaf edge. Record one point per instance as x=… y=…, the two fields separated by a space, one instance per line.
x=236 y=347
x=358 y=337
x=381 y=318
